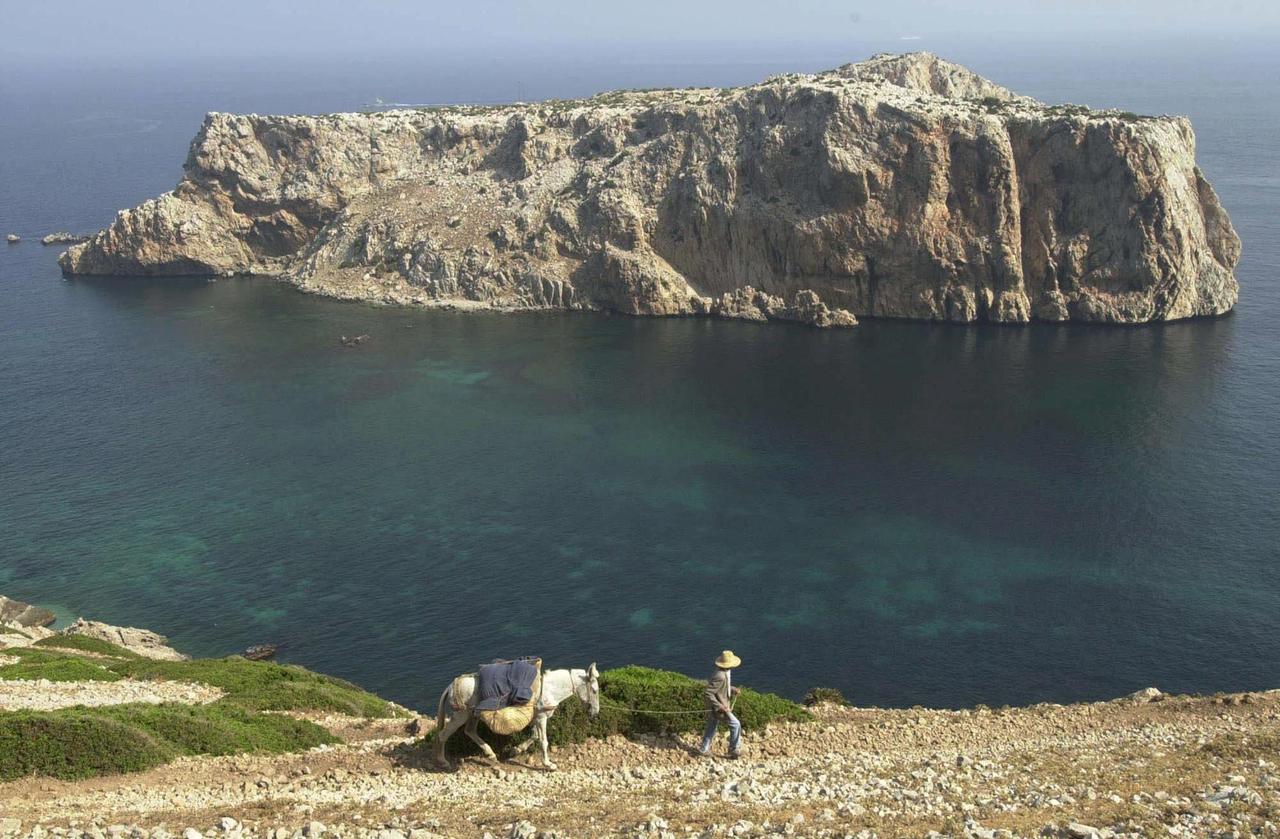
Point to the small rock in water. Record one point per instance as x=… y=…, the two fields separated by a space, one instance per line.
x=62 y=237
x=17 y=613
x=13 y=238
x=261 y=652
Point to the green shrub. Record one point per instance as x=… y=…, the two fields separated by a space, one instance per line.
x=255 y=685
x=85 y=742
x=74 y=744
x=220 y=728
x=637 y=701
x=55 y=666
x=824 y=696
x=84 y=643
x=263 y=685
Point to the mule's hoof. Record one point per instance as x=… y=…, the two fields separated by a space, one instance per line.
x=550 y=766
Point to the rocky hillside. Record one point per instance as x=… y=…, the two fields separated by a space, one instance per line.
x=231 y=749
x=903 y=186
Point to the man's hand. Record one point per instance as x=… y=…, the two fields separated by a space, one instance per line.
x=734 y=691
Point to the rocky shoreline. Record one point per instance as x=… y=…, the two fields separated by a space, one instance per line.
x=1148 y=764
x=902 y=186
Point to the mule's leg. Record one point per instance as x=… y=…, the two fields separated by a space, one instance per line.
x=443 y=734
x=541 y=724
x=472 y=731
x=528 y=742
x=525 y=746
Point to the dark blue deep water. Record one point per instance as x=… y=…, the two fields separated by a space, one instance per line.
x=913 y=513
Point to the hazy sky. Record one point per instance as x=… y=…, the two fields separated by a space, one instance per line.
x=65 y=30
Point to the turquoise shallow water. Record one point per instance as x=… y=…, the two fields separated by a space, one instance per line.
x=913 y=513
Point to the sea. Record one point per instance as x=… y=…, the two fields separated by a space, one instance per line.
x=914 y=513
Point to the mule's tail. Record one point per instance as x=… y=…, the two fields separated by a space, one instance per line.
x=440 y=709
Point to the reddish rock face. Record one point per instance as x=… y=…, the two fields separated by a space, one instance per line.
x=902 y=186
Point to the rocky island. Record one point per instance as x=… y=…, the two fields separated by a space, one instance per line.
x=902 y=186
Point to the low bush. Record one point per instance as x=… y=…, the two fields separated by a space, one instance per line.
x=824 y=696
x=85 y=742
x=74 y=744
x=221 y=728
x=636 y=701
x=55 y=666
x=263 y=685
x=83 y=643
x=255 y=685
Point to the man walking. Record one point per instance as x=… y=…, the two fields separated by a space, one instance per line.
x=719 y=695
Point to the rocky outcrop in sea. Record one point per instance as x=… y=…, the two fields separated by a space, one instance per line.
x=902 y=186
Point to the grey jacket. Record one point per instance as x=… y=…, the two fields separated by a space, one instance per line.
x=717 y=693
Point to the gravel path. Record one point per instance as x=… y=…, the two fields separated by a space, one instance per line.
x=43 y=695
x=1173 y=767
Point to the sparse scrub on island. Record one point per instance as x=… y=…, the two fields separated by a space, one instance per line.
x=992 y=104
x=637 y=701
x=824 y=696
x=77 y=743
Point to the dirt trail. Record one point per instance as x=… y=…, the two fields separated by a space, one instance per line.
x=1196 y=766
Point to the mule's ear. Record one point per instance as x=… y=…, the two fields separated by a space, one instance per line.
x=592 y=669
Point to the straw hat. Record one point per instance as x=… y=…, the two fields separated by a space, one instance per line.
x=727 y=660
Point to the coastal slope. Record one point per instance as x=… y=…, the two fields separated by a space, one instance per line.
x=902 y=186
x=100 y=740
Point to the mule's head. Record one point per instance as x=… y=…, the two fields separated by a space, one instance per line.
x=591 y=690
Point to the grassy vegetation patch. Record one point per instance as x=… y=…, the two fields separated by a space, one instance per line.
x=253 y=685
x=5 y=629
x=263 y=686
x=83 y=643
x=55 y=666
x=85 y=742
x=636 y=701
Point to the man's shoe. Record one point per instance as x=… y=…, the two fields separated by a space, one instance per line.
x=734 y=755
x=701 y=753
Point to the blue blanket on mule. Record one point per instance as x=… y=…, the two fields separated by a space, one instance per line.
x=505 y=683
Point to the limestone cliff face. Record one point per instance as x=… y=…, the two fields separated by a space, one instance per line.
x=902 y=186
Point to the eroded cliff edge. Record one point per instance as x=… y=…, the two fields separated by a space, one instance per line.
x=901 y=186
